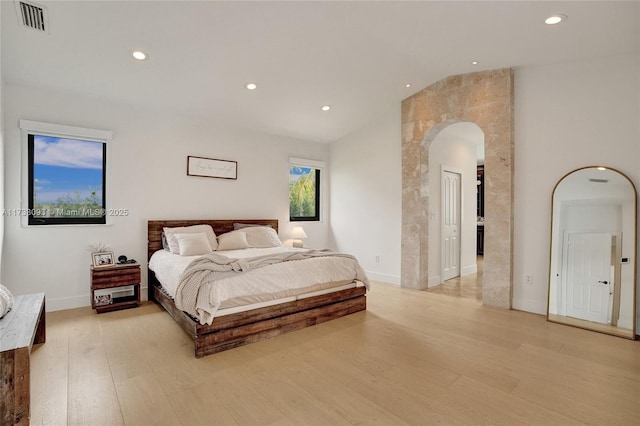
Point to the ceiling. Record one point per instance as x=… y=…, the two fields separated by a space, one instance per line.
x=355 y=56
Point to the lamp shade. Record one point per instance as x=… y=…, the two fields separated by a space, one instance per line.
x=298 y=233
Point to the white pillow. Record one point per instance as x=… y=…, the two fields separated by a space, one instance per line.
x=262 y=237
x=6 y=300
x=193 y=244
x=233 y=240
x=195 y=229
x=237 y=225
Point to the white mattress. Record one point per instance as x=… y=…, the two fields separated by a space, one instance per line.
x=168 y=268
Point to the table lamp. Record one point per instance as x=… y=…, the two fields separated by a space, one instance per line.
x=298 y=234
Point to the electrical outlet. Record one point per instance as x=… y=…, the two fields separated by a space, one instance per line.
x=377 y=259
x=528 y=279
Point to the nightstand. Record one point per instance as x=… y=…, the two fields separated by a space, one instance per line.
x=115 y=287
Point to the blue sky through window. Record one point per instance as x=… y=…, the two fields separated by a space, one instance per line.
x=296 y=171
x=66 y=166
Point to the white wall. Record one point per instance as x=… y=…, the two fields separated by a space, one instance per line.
x=148 y=170
x=451 y=150
x=366 y=201
x=566 y=116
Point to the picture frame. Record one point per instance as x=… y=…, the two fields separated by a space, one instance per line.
x=101 y=259
x=102 y=299
x=212 y=168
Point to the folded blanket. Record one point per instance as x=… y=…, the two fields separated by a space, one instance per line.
x=6 y=300
x=211 y=279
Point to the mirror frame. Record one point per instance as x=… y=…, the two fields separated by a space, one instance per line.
x=606 y=329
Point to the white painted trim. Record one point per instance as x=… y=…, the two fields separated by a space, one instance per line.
x=529 y=305
x=309 y=163
x=467 y=270
x=63 y=303
x=385 y=278
x=64 y=130
x=434 y=281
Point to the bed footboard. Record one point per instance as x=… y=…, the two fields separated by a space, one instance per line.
x=230 y=331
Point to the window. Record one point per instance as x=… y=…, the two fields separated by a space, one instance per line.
x=66 y=177
x=304 y=190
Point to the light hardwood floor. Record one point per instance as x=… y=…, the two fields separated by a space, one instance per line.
x=413 y=357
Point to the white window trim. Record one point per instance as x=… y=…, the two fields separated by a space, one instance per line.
x=59 y=130
x=324 y=181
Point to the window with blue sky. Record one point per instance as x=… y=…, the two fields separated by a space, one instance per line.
x=66 y=180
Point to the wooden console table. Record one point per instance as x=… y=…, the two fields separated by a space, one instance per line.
x=23 y=326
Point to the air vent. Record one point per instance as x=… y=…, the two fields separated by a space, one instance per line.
x=33 y=16
x=598 y=180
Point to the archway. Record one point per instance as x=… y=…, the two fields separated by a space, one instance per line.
x=486 y=99
x=454 y=156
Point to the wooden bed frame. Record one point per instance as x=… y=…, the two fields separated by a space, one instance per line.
x=230 y=331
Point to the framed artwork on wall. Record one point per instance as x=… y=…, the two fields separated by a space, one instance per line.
x=211 y=167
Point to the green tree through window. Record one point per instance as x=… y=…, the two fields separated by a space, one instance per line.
x=304 y=193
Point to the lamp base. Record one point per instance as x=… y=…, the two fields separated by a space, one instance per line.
x=297 y=243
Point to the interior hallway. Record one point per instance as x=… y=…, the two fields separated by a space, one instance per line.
x=466 y=287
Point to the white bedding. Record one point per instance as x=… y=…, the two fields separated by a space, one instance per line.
x=168 y=267
x=270 y=282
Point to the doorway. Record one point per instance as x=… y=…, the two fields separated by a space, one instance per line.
x=454 y=156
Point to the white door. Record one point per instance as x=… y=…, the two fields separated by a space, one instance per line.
x=588 y=275
x=450 y=225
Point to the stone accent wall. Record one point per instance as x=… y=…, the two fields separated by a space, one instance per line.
x=486 y=99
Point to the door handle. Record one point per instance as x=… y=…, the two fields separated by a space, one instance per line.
x=603 y=282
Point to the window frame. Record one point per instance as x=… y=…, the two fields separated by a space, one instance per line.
x=28 y=128
x=319 y=167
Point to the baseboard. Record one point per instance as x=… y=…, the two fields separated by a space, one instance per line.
x=434 y=281
x=385 y=278
x=62 y=303
x=471 y=269
x=625 y=324
x=533 y=306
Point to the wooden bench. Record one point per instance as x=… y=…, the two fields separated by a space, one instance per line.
x=23 y=326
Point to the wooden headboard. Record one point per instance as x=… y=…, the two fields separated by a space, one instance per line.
x=154 y=228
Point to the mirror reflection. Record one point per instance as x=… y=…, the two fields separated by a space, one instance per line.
x=592 y=264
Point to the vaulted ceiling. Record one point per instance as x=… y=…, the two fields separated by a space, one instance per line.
x=356 y=57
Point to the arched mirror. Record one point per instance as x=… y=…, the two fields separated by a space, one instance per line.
x=593 y=261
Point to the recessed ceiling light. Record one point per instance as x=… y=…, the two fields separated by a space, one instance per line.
x=251 y=86
x=326 y=107
x=602 y=168
x=555 y=19
x=139 y=55
x=407 y=85
x=474 y=62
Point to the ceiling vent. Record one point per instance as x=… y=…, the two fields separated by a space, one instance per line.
x=33 y=15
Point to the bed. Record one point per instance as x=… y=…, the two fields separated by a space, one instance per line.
x=261 y=322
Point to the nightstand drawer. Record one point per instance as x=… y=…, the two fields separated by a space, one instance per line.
x=115 y=277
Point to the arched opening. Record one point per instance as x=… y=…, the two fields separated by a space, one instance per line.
x=456 y=215
x=486 y=99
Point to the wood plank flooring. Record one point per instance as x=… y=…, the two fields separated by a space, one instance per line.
x=413 y=358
